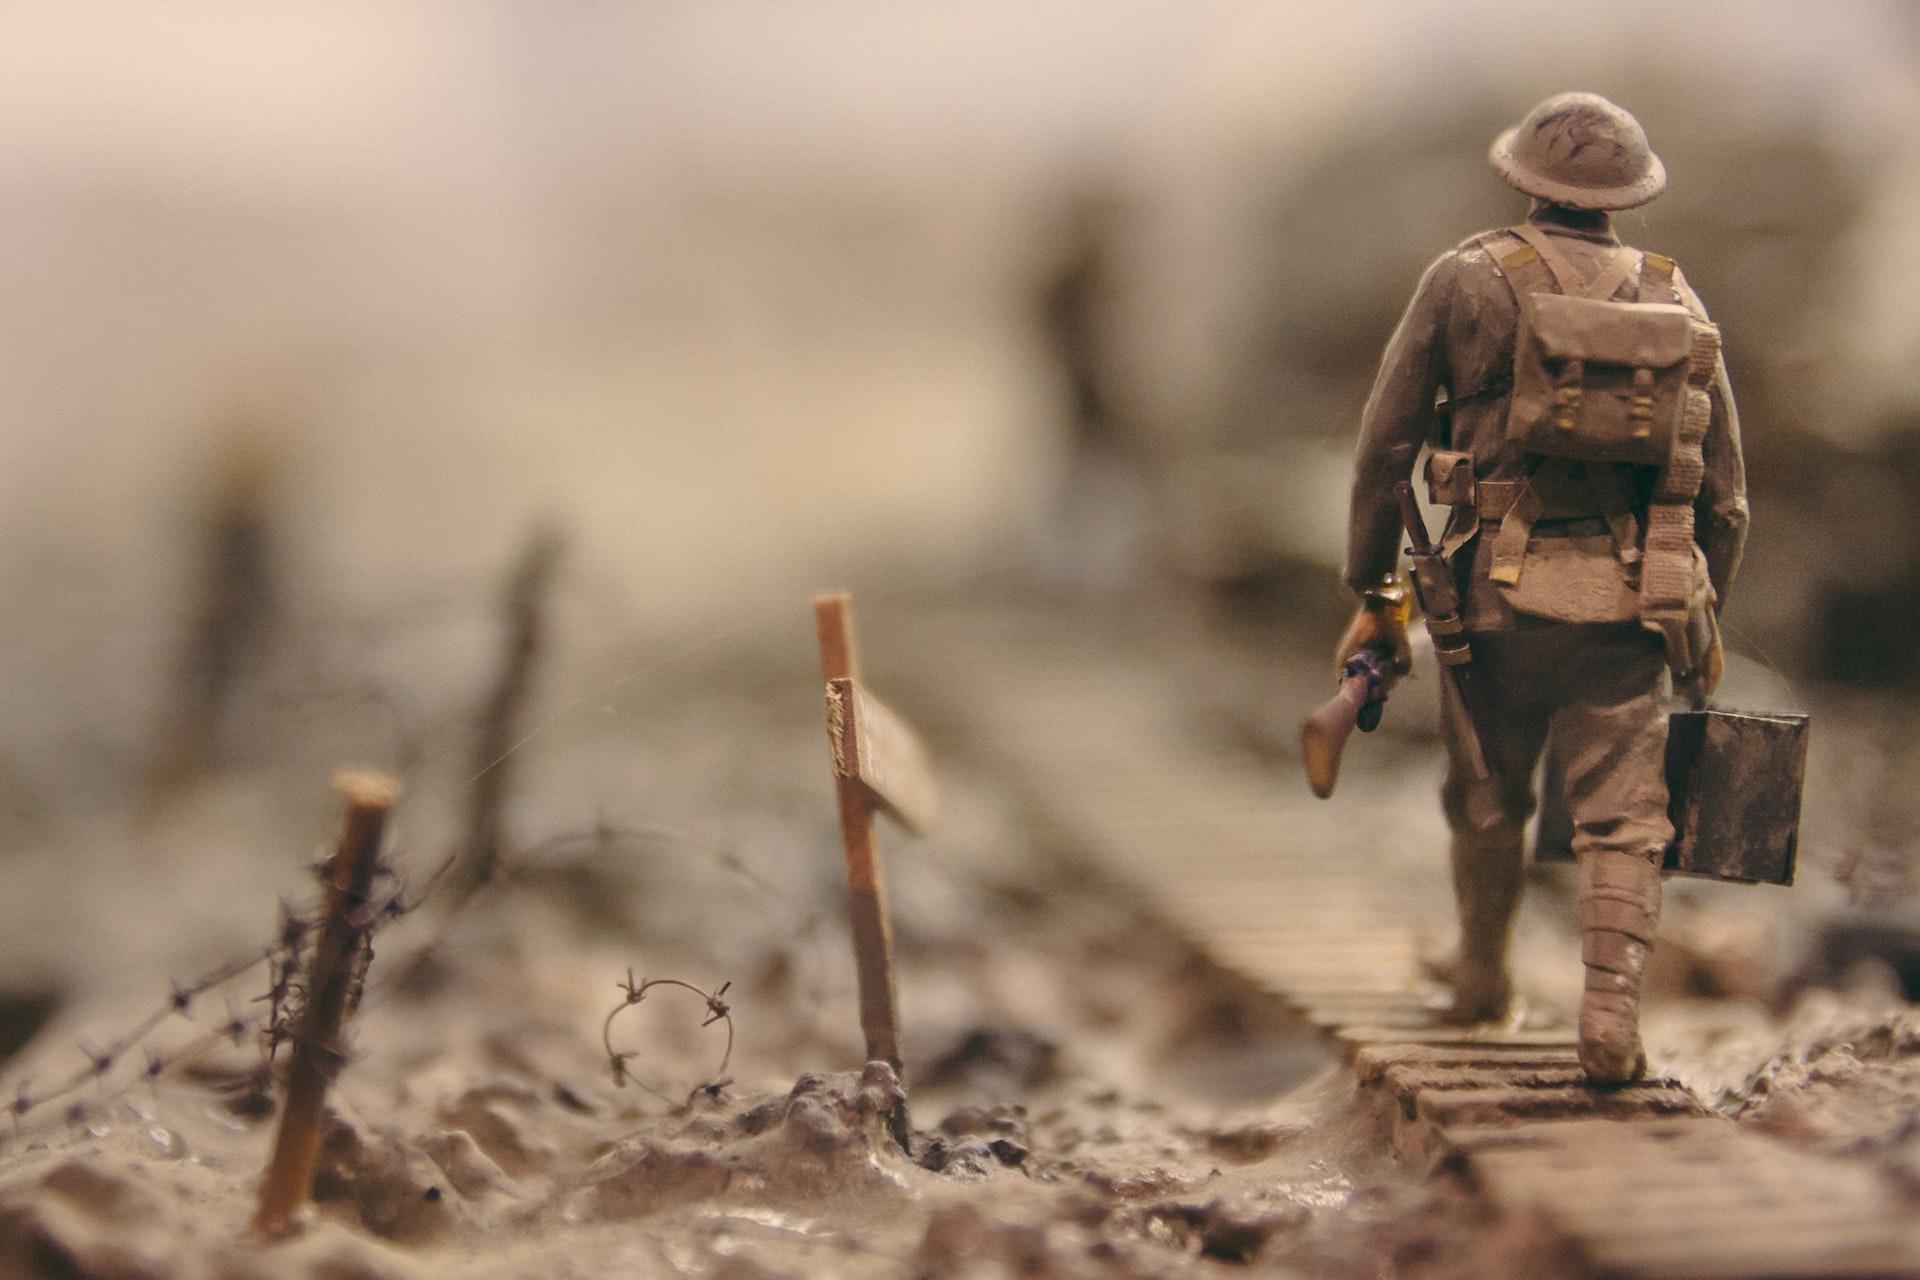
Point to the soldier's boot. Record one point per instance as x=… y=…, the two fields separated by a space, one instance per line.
x=1619 y=909
x=1487 y=870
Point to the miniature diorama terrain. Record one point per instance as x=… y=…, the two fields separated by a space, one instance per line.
x=645 y=641
x=633 y=1046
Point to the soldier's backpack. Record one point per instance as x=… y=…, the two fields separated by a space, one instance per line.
x=1594 y=379
x=1598 y=383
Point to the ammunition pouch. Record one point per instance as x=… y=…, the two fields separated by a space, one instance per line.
x=1450 y=480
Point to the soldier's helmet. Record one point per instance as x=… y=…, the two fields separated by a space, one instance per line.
x=1581 y=151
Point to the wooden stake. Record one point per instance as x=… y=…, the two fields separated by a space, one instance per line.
x=866 y=884
x=231 y=626
x=316 y=1049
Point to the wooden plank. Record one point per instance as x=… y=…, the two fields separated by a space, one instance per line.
x=1408 y=1079
x=1502 y=1104
x=881 y=751
x=1374 y=1061
x=1869 y=1243
x=1376 y=1058
x=1504 y=1037
x=1584 y=1142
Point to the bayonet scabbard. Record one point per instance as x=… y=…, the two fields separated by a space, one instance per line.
x=1439 y=595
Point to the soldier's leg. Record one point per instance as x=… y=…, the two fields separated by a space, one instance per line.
x=1612 y=735
x=1488 y=818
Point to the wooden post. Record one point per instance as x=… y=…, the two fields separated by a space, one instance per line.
x=866 y=884
x=316 y=1049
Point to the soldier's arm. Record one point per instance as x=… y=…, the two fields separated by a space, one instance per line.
x=1398 y=419
x=1720 y=512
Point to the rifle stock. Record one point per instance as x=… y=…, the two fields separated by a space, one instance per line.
x=1357 y=705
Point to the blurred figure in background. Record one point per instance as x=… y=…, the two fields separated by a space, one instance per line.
x=1100 y=514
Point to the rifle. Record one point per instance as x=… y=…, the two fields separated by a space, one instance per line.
x=1358 y=705
x=1363 y=681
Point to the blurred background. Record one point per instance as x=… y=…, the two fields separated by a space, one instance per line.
x=333 y=304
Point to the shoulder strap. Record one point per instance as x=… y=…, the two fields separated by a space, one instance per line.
x=1528 y=262
x=1519 y=264
x=1656 y=278
x=1508 y=255
x=1567 y=277
x=1534 y=266
x=1625 y=263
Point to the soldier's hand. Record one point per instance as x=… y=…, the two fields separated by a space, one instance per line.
x=1380 y=624
x=1706 y=677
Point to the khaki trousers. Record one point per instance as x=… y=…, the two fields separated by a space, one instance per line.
x=1599 y=689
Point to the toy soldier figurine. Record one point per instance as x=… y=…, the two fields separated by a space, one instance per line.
x=1581 y=433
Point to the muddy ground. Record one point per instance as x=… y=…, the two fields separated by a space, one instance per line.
x=1083 y=1095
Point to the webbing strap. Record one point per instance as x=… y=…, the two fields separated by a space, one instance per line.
x=1567 y=277
x=1463 y=526
x=1526 y=271
x=1666 y=573
x=1656 y=278
x=1516 y=527
x=1604 y=479
x=1625 y=263
x=1529 y=268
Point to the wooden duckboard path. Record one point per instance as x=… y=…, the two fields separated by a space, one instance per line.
x=1639 y=1181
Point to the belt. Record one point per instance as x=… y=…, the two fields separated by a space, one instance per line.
x=1581 y=527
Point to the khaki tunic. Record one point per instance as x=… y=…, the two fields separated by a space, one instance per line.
x=1596 y=689
x=1454 y=347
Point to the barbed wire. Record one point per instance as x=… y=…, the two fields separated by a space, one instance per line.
x=632 y=993
x=284 y=958
x=315 y=676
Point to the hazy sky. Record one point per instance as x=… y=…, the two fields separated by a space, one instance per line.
x=530 y=238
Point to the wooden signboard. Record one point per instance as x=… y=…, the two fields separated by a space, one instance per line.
x=876 y=747
x=878 y=764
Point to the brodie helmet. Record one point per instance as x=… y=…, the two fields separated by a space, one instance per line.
x=1580 y=151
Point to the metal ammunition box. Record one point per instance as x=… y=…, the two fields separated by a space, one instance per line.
x=1734 y=780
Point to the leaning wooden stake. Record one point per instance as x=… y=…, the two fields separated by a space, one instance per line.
x=878 y=764
x=316 y=1049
